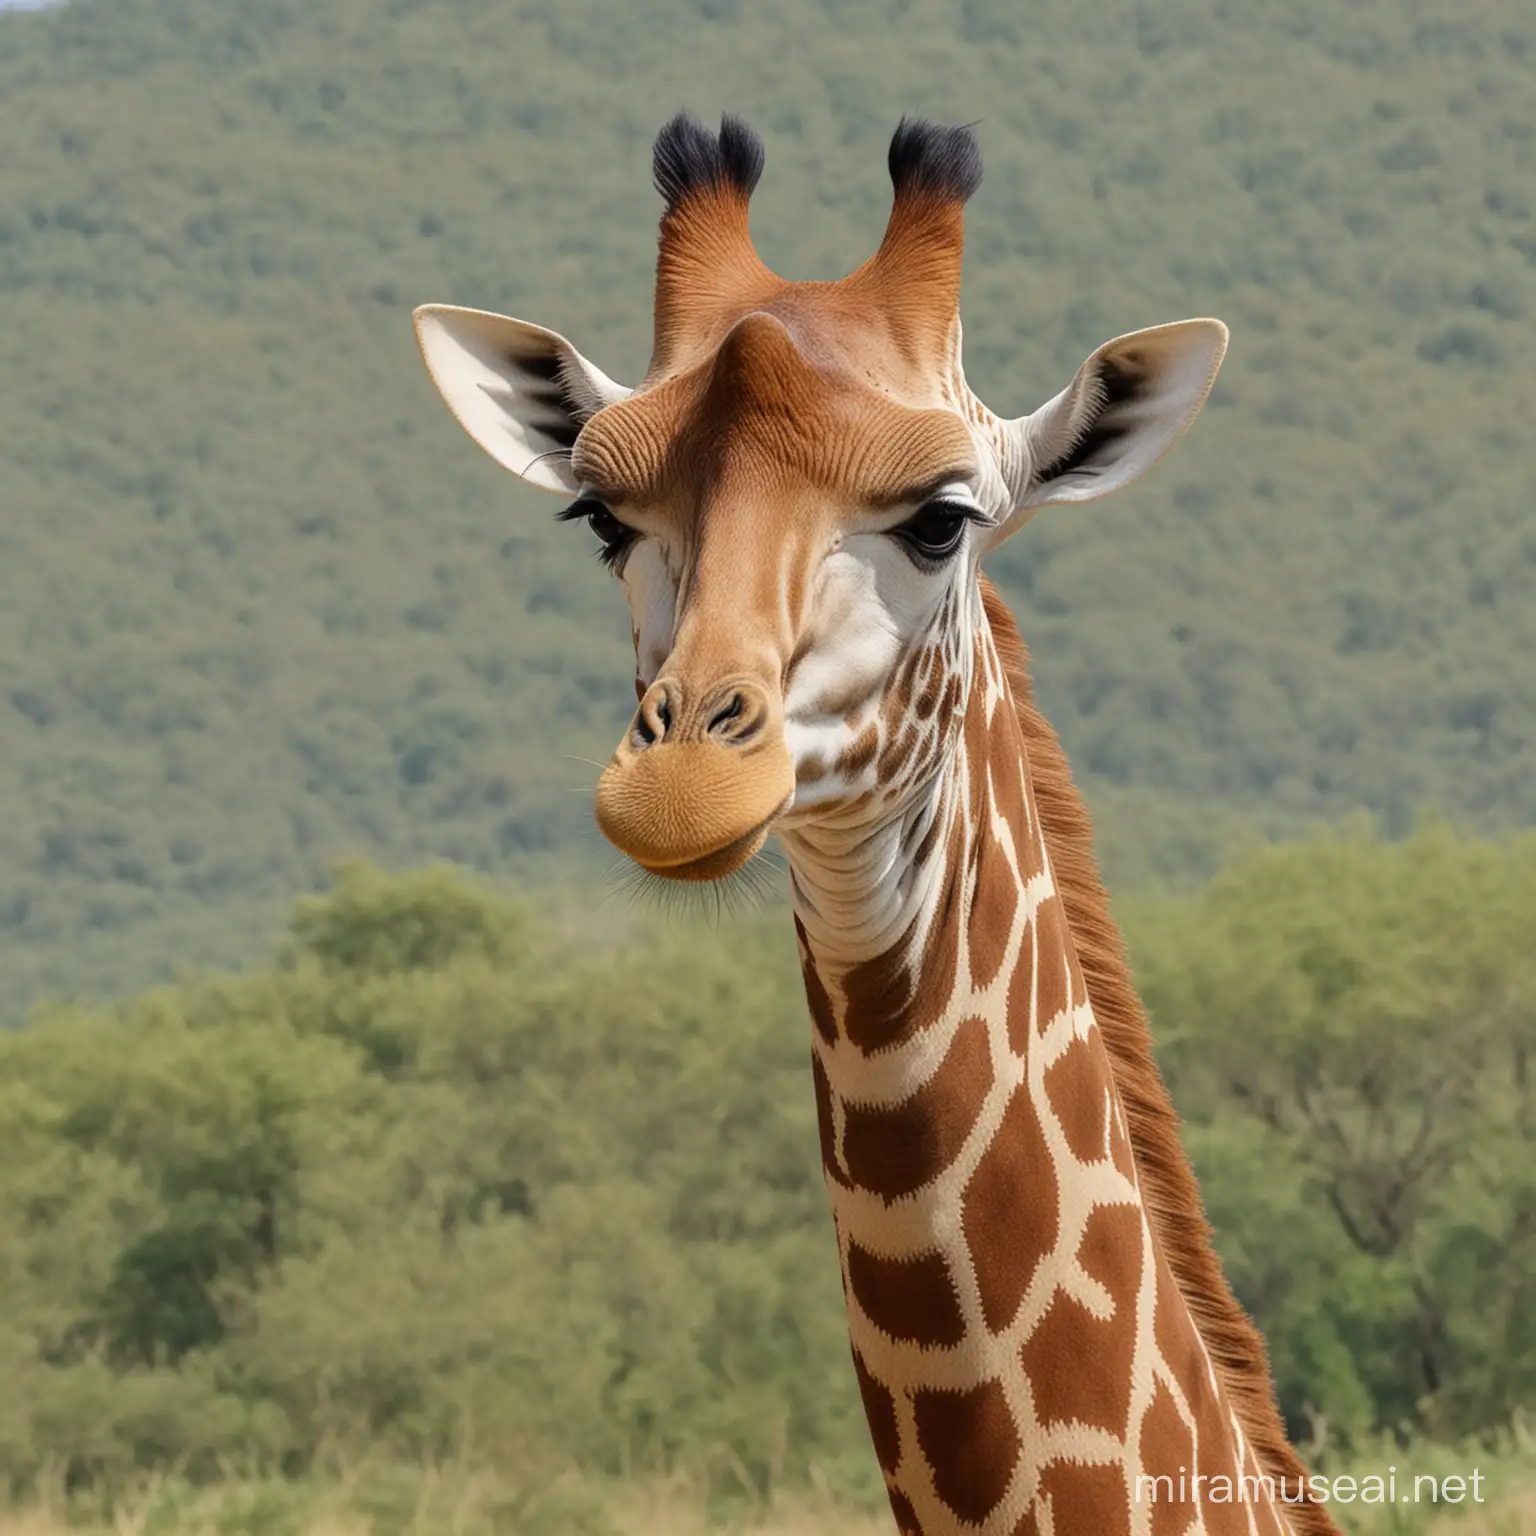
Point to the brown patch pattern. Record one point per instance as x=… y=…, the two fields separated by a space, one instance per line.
x=1055 y=988
x=1077 y=1083
x=895 y=1151
x=1078 y=1364
x=1032 y=849
x=995 y=893
x=1021 y=989
x=861 y=753
x=927 y=700
x=1167 y=1452
x=894 y=756
x=972 y=1445
x=1010 y=788
x=1069 y=1335
x=1086 y=1500
x=825 y=1127
x=1163 y=1172
x=910 y=1300
x=1216 y=1455
x=1179 y=1345
x=1175 y=1336
x=1120 y=1148
x=1010 y=1211
x=816 y=997
x=906 y=1516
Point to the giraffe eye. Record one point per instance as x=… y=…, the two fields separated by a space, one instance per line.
x=614 y=537
x=936 y=532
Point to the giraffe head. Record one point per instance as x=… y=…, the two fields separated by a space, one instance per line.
x=797 y=496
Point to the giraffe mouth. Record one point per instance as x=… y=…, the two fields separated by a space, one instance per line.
x=694 y=812
x=723 y=861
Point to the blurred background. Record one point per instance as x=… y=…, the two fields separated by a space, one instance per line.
x=340 y=1199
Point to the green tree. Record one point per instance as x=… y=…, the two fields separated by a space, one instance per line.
x=1350 y=1026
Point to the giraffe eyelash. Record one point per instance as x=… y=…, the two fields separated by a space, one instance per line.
x=615 y=538
x=927 y=553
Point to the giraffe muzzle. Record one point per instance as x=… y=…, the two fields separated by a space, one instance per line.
x=700 y=777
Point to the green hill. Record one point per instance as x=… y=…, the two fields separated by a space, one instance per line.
x=261 y=603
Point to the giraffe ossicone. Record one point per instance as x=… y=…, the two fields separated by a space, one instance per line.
x=796 y=500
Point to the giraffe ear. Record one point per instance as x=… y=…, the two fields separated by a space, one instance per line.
x=1130 y=402
x=522 y=393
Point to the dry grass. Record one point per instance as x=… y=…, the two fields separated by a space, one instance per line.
x=662 y=1517
x=644 y=1510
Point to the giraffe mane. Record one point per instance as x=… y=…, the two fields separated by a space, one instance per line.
x=1169 y=1190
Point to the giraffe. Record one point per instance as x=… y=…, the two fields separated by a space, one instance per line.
x=796 y=500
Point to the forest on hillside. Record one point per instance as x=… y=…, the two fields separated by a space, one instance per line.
x=262 y=606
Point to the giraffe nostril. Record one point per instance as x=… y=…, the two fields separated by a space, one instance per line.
x=740 y=715
x=654 y=719
x=732 y=710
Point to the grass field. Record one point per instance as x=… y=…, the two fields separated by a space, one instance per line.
x=652 y=1516
x=469 y=1506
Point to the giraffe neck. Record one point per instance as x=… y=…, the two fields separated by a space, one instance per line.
x=1025 y=1357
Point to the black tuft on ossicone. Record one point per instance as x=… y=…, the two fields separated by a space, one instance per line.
x=688 y=158
x=927 y=158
